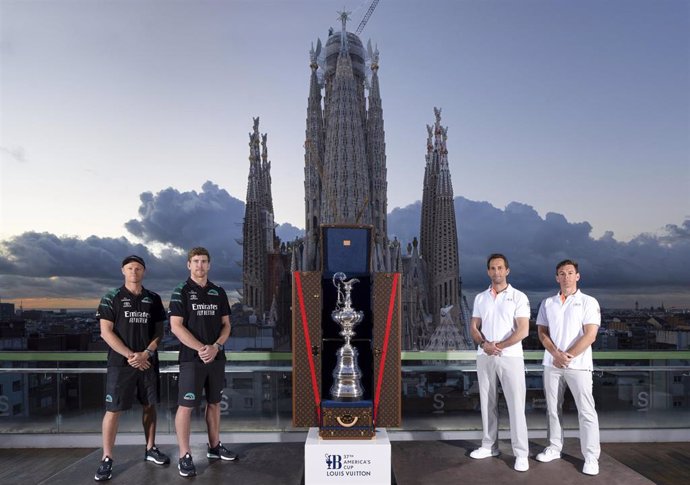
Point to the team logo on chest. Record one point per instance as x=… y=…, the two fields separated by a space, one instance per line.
x=204 y=309
x=137 y=317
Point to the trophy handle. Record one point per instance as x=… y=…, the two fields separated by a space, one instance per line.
x=339 y=278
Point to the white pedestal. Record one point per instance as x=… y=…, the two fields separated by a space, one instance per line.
x=365 y=462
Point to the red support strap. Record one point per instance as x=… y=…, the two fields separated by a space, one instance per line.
x=305 y=327
x=382 y=364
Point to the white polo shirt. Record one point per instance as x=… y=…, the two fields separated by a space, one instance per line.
x=498 y=313
x=566 y=322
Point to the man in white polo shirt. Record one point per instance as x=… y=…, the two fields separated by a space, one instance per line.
x=568 y=323
x=500 y=321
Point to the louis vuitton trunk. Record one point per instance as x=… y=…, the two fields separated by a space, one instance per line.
x=347 y=420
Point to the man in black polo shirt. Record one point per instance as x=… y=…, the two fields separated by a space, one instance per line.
x=200 y=318
x=131 y=319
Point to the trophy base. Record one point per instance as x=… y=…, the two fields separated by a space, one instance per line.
x=347 y=420
x=345 y=399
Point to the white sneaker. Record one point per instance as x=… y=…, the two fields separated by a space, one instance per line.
x=591 y=467
x=549 y=454
x=521 y=464
x=481 y=453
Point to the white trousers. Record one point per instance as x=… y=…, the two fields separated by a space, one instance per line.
x=510 y=371
x=580 y=384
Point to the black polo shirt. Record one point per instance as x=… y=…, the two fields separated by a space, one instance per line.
x=202 y=310
x=134 y=317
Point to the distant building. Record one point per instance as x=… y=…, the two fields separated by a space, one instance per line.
x=345 y=159
x=345 y=183
x=35 y=315
x=265 y=260
x=439 y=243
x=673 y=339
x=6 y=311
x=13 y=335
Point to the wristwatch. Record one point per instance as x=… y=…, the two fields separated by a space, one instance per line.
x=481 y=344
x=220 y=347
x=150 y=352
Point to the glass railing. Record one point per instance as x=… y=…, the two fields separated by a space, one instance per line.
x=63 y=392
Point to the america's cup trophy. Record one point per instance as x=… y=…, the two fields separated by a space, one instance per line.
x=347 y=374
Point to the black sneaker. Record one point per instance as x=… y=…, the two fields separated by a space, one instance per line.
x=156 y=456
x=105 y=470
x=186 y=466
x=220 y=452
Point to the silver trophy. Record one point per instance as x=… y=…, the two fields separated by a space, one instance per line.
x=347 y=374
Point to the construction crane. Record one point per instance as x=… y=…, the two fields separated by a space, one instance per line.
x=366 y=17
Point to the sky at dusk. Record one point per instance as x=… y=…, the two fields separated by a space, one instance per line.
x=124 y=128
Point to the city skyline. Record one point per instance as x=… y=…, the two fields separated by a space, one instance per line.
x=119 y=116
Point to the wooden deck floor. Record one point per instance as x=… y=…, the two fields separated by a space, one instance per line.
x=444 y=462
x=662 y=463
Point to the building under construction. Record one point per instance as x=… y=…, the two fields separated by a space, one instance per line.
x=345 y=183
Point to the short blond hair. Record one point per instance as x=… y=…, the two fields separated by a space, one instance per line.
x=198 y=251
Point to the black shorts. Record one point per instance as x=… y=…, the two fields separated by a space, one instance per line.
x=195 y=376
x=122 y=382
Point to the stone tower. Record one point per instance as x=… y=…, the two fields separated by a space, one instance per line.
x=345 y=160
x=258 y=230
x=345 y=183
x=438 y=230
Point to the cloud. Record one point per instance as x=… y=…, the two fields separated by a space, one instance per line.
x=403 y=222
x=46 y=255
x=287 y=232
x=677 y=234
x=534 y=245
x=170 y=223
x=41 y=264
x=15 y=153
x=211 y=218
x=55 y=287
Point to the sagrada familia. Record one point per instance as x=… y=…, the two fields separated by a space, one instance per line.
x=345 y=183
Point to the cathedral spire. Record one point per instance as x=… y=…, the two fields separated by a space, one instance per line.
x=253 y=234
x=346 y=173
x=258 y=231
x=266 y=173
x=344 y=16
x=439 y=235
x=345 y=160
x=376 y=149
x=313 y=163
